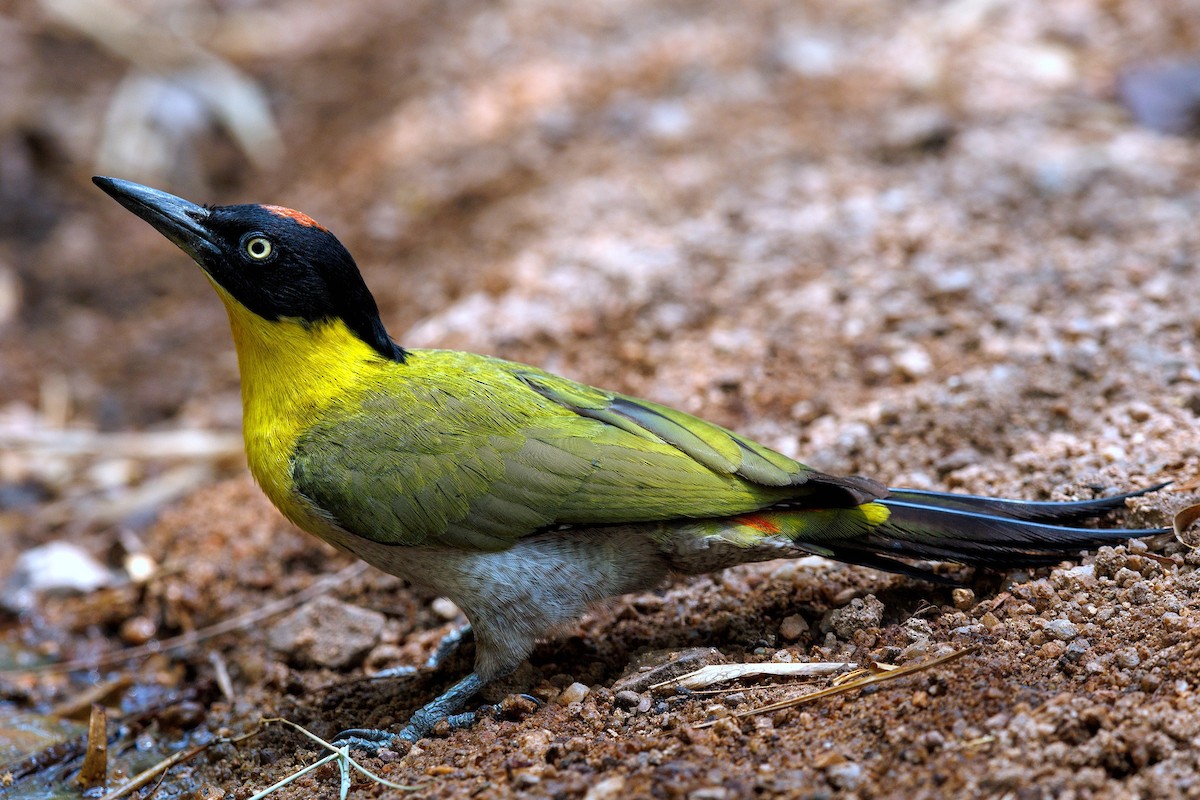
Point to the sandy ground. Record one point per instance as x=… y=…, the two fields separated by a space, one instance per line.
x=925 y=242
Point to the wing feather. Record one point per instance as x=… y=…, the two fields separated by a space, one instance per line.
x=478 y=452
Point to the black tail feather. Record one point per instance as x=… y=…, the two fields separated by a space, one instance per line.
x=981 y=531
x=1021 y=509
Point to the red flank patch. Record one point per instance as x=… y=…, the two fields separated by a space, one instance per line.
x=759 y=523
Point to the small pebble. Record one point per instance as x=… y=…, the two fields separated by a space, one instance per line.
x=607 y=789
x=1061 y=629
x=1076 y=650
x=916 y=629
x=963 y=598
x=916 y=650
x=573 y=694
x=861 y=613
x=1173 y=621
x=526 y=778
x=710 y=793
x=138 y=630
x=535 y=743
x=847 y=776
x=1128 y=658
x=627 y=699
x=326 y=632
x=1053 y=649
x=913 y=362
x=793 y=627
x=57 y=567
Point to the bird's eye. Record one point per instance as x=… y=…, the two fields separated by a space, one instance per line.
x=258 y=248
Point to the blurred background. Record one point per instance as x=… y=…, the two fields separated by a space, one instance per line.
x=531 y=178
x=949 y=243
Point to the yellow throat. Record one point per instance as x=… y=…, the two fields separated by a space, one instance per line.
x=293 y=374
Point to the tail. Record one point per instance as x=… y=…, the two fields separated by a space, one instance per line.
x=977 y=531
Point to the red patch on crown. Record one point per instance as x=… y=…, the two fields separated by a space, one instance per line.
x=296 y=216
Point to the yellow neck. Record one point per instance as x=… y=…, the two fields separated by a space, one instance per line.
x=293 y=374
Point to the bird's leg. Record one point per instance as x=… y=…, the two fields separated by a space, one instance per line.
x=447 y=647
x=450 y=644
x=422 y=722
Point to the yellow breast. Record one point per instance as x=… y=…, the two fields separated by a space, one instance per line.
x=293 y=374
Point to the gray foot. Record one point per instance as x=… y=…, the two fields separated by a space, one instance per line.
x=449 y=645
x=372 y=740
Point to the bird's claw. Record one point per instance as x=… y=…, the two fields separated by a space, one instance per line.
x=399 y=671
x=464 y=720
x=370 y=740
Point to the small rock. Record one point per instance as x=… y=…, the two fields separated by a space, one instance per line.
x=1079 y=577
x=847 y=775
x=917 y=628
x=809 y=55
x=1173 y=621
x=1126 y=577
x=1128 y=658
x=526 y=778
x=913 y=361
x=55 y=567
x=627 y=699
x=793 y=627
x=607 y=789
x=573 y=694
x=1062 y=629
x=710 y=793
x=535 y=743
x=669 y=121
x=916 y=650
x=138 y=630
x=516 y=707
x=919 y=129
x=1076 y=650
x=10 y=294
x=327 y=633
x=1052 y=649
x=952 y=282
x=1140 y=593
x=859 y=614
x=963 y=598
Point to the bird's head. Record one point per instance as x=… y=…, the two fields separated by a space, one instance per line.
x=277 y=263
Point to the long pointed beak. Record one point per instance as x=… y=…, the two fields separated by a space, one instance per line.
x=183 y=222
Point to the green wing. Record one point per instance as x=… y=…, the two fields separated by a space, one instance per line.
x=713 y=446
x=468 y=451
